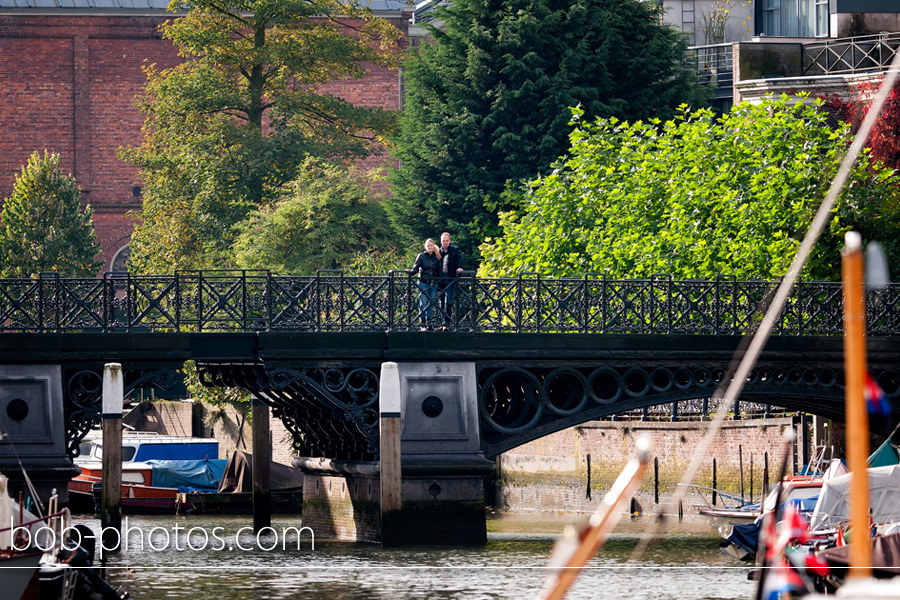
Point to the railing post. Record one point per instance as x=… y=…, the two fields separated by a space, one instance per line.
x=318 y=302
x=390 y=300
x=268 y=304
x=474 y=295
x=585 y=303
x=518 y=311
x=243 y=300
x=200 y=305
x=341 y=298
x=604 y=303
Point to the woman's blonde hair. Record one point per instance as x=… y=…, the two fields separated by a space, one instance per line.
x=435 y=251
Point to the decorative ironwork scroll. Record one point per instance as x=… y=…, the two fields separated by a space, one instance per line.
x=84 y=392
x=330 y=412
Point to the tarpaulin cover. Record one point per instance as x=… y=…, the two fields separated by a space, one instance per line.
x=238 y=475
x=188 y=475
x=186 y=450
x=884 y=456
x=884 y=498
x=745 y=535
x=885 y=555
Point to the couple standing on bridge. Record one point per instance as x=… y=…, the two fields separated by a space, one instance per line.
x=438 y=267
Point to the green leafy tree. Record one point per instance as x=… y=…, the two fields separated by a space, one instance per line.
x=44 y=227
x=487 y=101
x=227 y=128
x=695 y=197
x=325 y=220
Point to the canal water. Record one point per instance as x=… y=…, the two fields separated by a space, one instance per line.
x=219 y=558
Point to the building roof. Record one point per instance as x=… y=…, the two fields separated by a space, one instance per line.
x=87 y=4
x=377 y=6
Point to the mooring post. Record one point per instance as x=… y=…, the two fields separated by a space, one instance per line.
x=262 y=465
x=656 y=480
x=111 y=495
x=389 y=455
x=588 y=495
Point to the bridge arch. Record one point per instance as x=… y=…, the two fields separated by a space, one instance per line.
x=519 y=404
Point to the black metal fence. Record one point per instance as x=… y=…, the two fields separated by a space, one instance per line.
x=239 y=301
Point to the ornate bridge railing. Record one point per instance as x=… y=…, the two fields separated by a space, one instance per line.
x=247 y=301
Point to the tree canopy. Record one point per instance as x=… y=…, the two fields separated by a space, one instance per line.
x=487 y=100
x=695 y=197
x=43 y=226
x=230 y=126
x=325 y=220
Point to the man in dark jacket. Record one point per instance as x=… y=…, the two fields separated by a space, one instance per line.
x=451 y=267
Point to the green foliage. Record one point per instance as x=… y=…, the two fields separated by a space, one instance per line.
x=325 y=220
x=695 y=197
x=216 y=396
x=44 y=227
x=378 y=262
x=226 y=129
x=488 y=101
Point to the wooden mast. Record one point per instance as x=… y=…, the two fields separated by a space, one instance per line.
x=857 y=418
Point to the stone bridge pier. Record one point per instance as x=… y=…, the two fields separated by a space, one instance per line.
x=443 y=468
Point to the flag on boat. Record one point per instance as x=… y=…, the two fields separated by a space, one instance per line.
x=783 y=577
x=793 y=528
x=876 y=400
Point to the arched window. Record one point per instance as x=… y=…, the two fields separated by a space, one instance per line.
x=119 y=261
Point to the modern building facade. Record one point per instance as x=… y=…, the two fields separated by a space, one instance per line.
x=717 y=21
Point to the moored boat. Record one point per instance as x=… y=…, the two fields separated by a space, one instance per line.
x=47 y=557
x=148 y=459
x=148 y=487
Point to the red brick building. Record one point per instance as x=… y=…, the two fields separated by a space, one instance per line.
x=69 y=70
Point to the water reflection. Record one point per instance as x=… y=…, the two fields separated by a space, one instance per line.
x=173 y=563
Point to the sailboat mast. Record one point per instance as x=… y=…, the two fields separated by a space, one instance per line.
x=856 y=416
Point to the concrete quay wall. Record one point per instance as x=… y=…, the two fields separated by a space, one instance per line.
x=551 y=474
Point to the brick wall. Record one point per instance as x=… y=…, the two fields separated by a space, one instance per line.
x=550 y=474
x=67 y=83
x=343 y=507
x=225 y=423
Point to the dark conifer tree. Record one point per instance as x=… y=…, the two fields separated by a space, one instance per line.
x=488 y=96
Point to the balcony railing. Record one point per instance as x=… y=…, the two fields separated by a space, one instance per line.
x=850 y=55
x=712 y=64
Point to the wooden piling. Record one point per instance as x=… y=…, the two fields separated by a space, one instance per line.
x=389 y=456
x=656 y=480
x=262 y=465
x=111 y=419
x=588 y=493
x=751 y=477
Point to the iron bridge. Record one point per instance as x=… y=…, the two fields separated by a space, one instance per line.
x=549 y=353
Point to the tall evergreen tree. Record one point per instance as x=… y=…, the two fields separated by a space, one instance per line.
x=487 y=100
x=44 y=227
